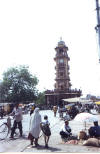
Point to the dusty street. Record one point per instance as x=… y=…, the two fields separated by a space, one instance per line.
x=55 y=143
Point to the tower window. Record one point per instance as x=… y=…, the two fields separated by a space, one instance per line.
x=61 y=73
x=60 y=50
x=62 y=87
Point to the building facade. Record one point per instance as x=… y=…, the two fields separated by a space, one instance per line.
x=62 y=88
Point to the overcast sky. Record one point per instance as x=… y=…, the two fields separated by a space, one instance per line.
x=31 y=29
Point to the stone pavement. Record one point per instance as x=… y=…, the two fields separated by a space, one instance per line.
x=55 y=144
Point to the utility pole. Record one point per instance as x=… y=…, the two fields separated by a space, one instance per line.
x=98 y=26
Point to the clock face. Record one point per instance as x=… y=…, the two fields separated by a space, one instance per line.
x=61 y=61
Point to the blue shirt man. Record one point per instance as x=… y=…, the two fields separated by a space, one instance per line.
x=94 y=131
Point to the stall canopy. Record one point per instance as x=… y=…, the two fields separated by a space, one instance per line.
x=98 y=103
x=76 y=99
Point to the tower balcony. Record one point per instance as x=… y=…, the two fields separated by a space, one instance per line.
x=78 y=92
x=62 y=78
x=61 y=56
x=61 y=65
x=65 y=90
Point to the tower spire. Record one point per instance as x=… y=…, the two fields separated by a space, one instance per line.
x=60 y=38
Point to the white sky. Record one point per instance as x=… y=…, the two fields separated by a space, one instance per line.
x=31 y=29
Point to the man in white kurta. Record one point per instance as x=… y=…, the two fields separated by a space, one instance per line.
x=35 y=126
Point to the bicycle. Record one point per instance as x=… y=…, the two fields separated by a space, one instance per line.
x=5 y=129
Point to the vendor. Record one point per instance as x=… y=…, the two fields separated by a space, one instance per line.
x=65 y=130
x=94 y=131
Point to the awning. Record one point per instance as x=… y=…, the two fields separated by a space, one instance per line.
x=69 y=105
x=98 y=103
x=76 y=99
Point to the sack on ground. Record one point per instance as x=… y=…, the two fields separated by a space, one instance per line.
x=46 y=130
x=92 y=142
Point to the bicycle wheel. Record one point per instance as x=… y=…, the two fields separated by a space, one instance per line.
x=3 y=131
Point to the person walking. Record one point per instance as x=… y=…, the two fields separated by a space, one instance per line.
x=46 y=130
x=66 y=117
x=32 y=109
x=34 y=127
x=17 y=113
x=55 y=110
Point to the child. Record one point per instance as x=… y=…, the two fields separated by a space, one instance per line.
x=46 y=130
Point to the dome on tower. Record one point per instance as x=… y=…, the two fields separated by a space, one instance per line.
x=61 y=42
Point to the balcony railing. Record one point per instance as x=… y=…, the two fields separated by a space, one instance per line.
x=64 y=90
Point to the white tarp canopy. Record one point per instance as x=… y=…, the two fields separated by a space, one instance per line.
x=76 y=99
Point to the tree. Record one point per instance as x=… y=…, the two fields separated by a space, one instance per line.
x=41 y=98
x=18 y=85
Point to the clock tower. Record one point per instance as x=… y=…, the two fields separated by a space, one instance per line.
x=62 y=68
x=62 y=87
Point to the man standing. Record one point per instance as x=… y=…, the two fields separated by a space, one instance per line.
x=17 y=113
x=55 y=110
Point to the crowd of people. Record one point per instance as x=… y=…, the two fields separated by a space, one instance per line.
x=37 y=125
